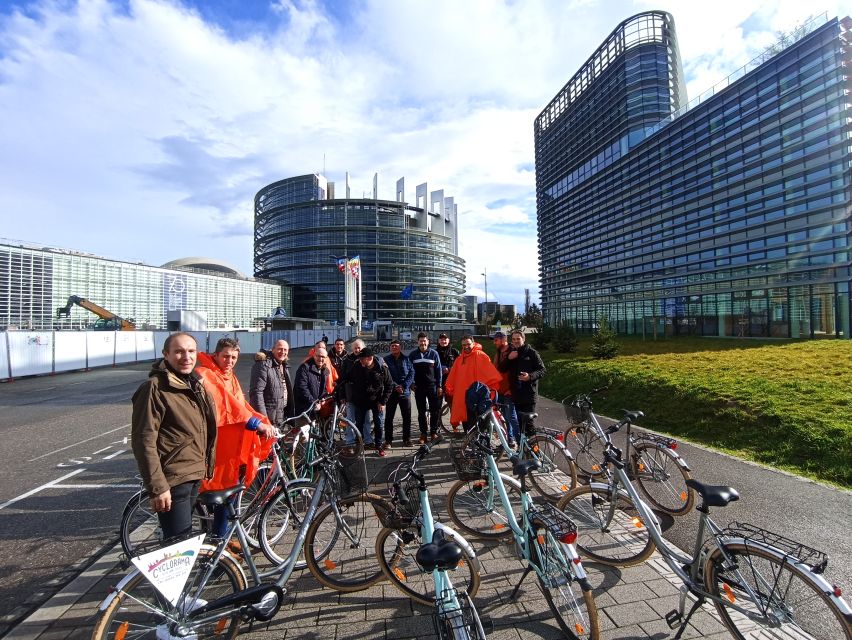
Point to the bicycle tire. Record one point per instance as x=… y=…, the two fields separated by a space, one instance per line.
x=621 y=543
x=340 y=561
x=396 y=553
x=139 y=609
x=586 y=447
x=139 y=523
x=803 y=609
x=558 y=473
x=496 y=446
x=662 y=479
x=572 y=605
x=475 y=508
x=281 y=518
x=250 y=502
x=462 y=623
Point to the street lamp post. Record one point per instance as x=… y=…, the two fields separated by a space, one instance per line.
x=341 y=320
x=485 y=274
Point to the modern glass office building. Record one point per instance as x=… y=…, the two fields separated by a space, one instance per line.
x=301 y=230
x=36 y=281
x=729 y=216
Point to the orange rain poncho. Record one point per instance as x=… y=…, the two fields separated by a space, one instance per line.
x=468 y=368
x=235 y=445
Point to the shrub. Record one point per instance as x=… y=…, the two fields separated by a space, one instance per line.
x=565 y=338
x=604 y=344
x=542 y=338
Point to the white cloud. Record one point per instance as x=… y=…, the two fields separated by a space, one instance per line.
x=142 y=131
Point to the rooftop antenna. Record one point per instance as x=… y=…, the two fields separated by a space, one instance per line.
x=323 y=164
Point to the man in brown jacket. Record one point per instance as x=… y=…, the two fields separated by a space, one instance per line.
x=173 y=431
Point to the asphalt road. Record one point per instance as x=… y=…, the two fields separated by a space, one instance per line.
x=66 y=472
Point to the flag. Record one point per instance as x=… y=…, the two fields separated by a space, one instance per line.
x=341 y=265
x=355 y=267
x=407 y=292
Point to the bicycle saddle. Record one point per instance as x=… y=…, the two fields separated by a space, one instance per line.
x=524 y=416
x=212 y=498
x=633 y=416
x=714 y=495
x=439 y=554
x=522 y=468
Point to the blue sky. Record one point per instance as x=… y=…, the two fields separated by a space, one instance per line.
x=141 y=130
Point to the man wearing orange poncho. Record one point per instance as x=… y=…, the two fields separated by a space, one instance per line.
x=473 y=365
x=243 y=436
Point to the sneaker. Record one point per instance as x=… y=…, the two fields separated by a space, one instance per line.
x=435 y=437
x=423 y=439
x=381 y=452
x=513 y=444
x=369 y=445
x=406 y=443
x=235 y=547
x=388 y=444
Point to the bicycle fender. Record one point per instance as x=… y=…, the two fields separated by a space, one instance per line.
x=819 y=581
x=117 y=590
x=678 y=458
x=459 y=538
x=509 y=480
x=603 y=486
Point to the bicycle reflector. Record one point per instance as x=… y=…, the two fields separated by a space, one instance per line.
x=672 y=445
x=837 y=591
x=570 y=537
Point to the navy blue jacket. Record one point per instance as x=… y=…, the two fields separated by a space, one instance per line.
x=427 y=370
x=310 y=385
x=401 y=371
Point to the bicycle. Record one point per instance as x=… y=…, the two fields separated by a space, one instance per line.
x=555 y=476
x=409 y=522
x=762 y=584
x=544 y=537
x=660 y=472
x=215 y=598
x=139 y=522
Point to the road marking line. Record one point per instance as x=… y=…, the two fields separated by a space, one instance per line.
x=95 y=486
x=113 y=455
x=41 y=488
x=94 y=453
x=50 y=453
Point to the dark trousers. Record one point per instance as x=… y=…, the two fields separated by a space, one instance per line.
x=404 y=403
x=431 y=398
x=178 y=520
x=526 y=407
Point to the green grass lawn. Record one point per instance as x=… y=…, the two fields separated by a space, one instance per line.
x=786 y=404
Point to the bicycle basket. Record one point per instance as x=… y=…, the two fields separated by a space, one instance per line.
x=815 y=559
x=560 y=525
x=402 y=515
x=353 y=468
x=576 y=412
x=469 y=465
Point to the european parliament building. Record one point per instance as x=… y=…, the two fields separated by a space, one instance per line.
x=302 y=229
x=729 y=216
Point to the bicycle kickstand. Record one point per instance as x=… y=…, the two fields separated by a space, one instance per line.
x=518 y=586
x=673 y=617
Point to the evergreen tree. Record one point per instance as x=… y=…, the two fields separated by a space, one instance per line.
x=604 y=344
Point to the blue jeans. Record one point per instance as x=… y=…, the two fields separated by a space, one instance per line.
x=507 y=408
x=364 y=426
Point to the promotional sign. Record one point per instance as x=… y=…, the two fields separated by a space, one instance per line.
x=168 y=568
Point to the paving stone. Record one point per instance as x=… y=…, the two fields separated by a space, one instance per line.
x=633 y=613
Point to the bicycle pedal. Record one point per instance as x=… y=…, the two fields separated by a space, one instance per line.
x=673 y=619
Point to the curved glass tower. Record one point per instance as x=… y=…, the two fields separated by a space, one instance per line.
x=301 y=230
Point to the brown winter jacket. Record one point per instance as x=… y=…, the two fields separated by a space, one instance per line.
x=173 y=430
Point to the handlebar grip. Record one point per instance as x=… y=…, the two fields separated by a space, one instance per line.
x=401 y=497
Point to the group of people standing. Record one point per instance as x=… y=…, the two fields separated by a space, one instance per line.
x=193 y=429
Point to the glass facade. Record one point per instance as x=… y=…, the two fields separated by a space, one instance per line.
x=299 y=232
x=730 y=218
x=35 y=282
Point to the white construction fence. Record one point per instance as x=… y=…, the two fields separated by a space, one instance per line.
x=30 y=353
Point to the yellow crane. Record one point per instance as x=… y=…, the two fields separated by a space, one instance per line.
x=107 y=320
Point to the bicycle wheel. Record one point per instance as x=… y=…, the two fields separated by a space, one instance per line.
x=586 y=448
x=252 y=499
x=572 y=606
x=341 y=551
x=558 y=474
x=140 y=525
x=622 y=540
x=796 y=607
x=140 y=611
x=661 y=478
x=396 y=551
x=475 y=507
x=462 y=623
x=281 y=518
x=469 y=438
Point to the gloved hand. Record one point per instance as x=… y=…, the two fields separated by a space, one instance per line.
x=253 y=423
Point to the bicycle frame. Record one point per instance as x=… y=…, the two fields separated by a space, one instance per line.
x=521 y=530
